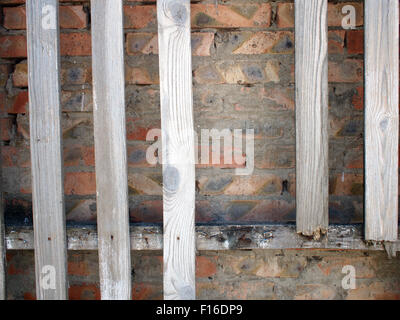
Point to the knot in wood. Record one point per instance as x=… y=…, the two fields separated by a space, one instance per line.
x=178 y=12
x=171 y=179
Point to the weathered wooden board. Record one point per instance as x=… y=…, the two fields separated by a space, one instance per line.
x=177 y=148
x=231 y=237
x=2 y=246
x=311 y=116
x=381 y=119
x=46 y=150
x=110 y=149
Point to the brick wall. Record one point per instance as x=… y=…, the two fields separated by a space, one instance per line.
x=256 y=274
x=243 y=77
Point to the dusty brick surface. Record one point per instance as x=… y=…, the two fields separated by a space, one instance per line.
x=256 y=274
x=243 y=74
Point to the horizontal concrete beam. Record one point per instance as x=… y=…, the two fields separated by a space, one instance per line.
x=230 y=237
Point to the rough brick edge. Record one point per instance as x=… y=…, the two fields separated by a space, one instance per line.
x=231 y=237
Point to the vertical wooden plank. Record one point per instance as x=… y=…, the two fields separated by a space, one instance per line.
x=110 y=149
x=311 y=117
x=381 y=119
x=2 y=244
x=177 y=148
x=46 y=151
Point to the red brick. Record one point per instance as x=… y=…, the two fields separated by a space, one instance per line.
x=229 y=16
x=140 y=75
x=358 y=99
x=267 y=42
x=6 y=129
x=13 y=269
x=76 y=101
x=29 y=296
x=80 y=183
x=4 y=72
x=241 y=185
x=215 y=162
x=147 y=43
x=255 y=185
x=75 y=44
x=74 y=73
x=375 y=290
x=71 y=44
x=349 y=70
x=146 y=291
x=15 y=156
x=204 y=212
x=278 y=267
x=205 y=267
x=355 y=42
x=141 y=43
x=8 y=156
x=21 y=103
x=202 y=42
x=314 y=292
x=292 y=184
x=13 y=46
x=140 y=17
x=208 y=74
x=78 y=268
x=241 y=72
x=285 y=15
x=239 y=211
x=142 y=184
x=3 y=104
x=82 y=211
x=270 y=266
x=242 y=289
x=336 y=41
x=71 y=17
x=354 y=158
x=276 y=157
x=84 y=291
x=14 y=17
x=347 y=126
x=137 y=129
x=78 y=155
x=282 y=99
x=347 y=184
x=364 y=266
x=70 y=123
x=20 y=75
x=335 y=15
x=88 y=156
x=23 y=126
x=137 y=156
x=271 y=211
x=25 y=183
x=272 y=69
x=149 y=211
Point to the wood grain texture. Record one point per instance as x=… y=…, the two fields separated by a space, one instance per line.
x=311 y=117
x=381 y=119
x=46 y=150
x=2 y=245
x=110 y=149
x=177 y=148
x=229 y=237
